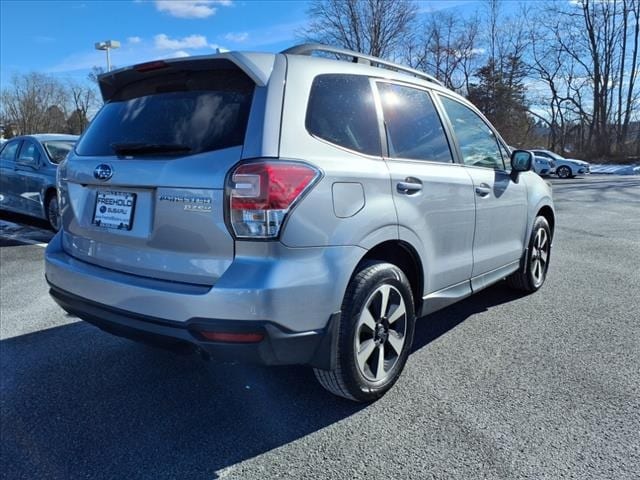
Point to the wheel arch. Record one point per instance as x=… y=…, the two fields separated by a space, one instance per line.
x=547 y=212
x=49 y=191
x=405 y=257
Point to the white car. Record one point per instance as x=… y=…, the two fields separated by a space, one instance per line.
x=544 y=166
x=565 y=167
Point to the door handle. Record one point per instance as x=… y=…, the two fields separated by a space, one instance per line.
x=483 y=190
x=408 y=188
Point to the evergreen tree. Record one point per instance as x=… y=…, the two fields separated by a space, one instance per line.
x=77 y=122
x=500 y=96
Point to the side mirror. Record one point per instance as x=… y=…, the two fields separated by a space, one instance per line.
x=521 y=160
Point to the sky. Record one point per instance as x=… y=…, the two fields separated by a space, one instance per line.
x=58 y=37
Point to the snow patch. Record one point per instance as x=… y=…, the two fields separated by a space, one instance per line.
x=615 y=169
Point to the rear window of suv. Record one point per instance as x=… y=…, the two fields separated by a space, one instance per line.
x=199 y=110
x=342 y=111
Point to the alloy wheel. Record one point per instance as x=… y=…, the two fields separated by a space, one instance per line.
x=53 y=214
x=539 y=256
x=564 y=172
x=380 y=333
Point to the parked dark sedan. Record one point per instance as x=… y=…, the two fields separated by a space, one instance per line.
x=28 y=174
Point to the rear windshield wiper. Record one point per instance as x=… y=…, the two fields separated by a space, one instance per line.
x=147 y=148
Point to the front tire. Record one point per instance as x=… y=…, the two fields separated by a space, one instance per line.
x=532 y=274
x=375 y=336
x=564 y=172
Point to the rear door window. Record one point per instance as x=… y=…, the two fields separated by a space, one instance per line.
x=413 y=126
x=182 y=112
x=8 y=153
x=29 y=154
x=342 y=111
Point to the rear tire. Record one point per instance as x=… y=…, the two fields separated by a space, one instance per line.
x=532 y=273
x=375 y=335
x=53 y=212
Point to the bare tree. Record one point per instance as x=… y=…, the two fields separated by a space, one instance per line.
x=600 y=23
x=374 y=27
x=629 y=68
x=446 y=46
x=95 y=73
x=583 y=59
x=38 y=103
x=493 y=19
x=552 y=71
x=83 y=99
x=34 y=102
x=497 y=86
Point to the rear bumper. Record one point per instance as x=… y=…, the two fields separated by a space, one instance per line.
x=287 y=294
x=294 y=288
x=277 y=347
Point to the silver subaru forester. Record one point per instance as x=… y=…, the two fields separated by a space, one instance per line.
x=295 y=208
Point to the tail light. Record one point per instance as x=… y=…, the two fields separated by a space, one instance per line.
x=262 y=193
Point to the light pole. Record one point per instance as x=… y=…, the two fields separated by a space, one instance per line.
x=107 y=45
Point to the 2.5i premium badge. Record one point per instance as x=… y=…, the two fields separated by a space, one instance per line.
x=190 y=203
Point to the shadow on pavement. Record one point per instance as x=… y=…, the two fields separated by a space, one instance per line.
x=79 y=403
x=24 y=220
x=433 y=326
x=22 y=230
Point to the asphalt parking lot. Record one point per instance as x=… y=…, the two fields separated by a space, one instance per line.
x=499 y=386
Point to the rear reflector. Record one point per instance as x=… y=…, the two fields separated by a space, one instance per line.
x=228 y=337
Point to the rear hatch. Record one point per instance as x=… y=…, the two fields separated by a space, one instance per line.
x=143 y=192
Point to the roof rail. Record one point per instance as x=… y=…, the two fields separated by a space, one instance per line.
x=309 y=48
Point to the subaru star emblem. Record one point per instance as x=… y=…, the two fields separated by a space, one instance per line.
x=103 y=172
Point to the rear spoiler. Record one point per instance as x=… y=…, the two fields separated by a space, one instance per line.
x=257 y=66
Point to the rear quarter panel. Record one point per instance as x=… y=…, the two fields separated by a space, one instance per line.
x=314 y=221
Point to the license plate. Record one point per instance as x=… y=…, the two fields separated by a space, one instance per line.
x=114 y=209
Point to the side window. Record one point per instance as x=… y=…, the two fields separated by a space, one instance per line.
x=414 y=129
x=341 y=110
x=477 y=142
x=29 y=154
x=8 y=153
